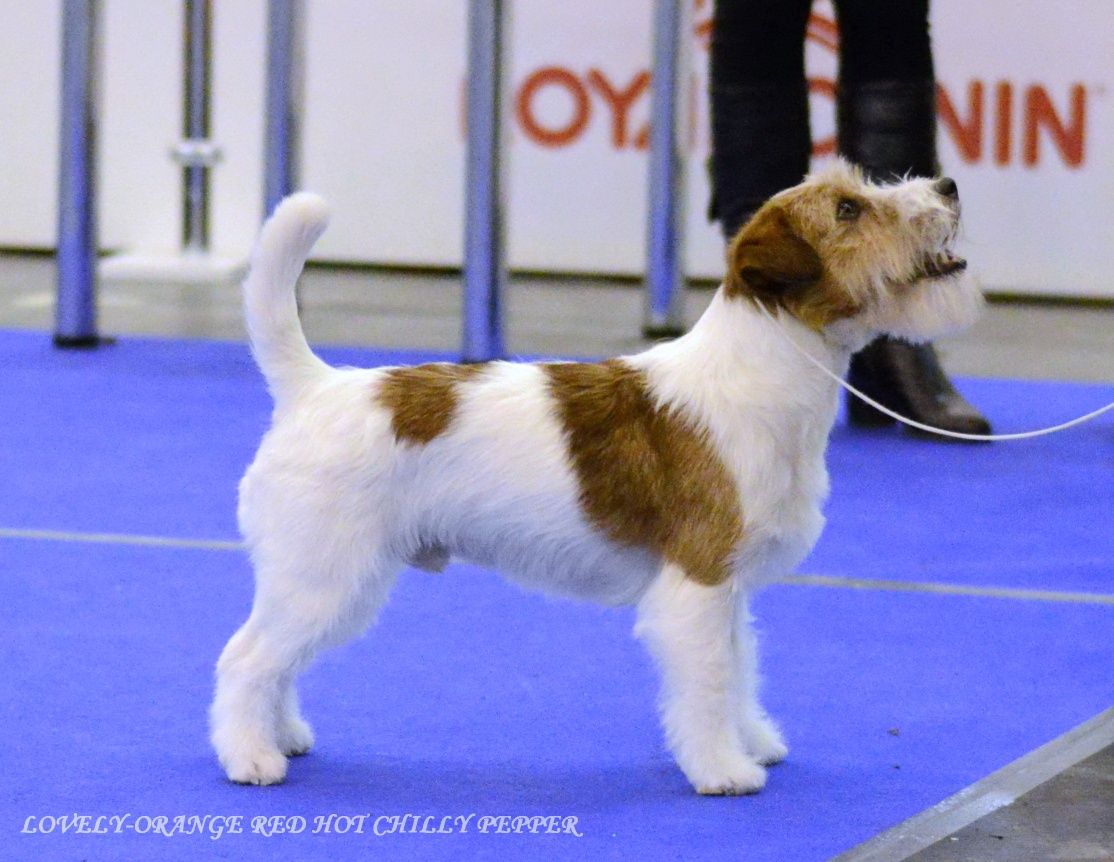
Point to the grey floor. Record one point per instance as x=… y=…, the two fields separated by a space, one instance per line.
x=1069 y=819
x=545 y=316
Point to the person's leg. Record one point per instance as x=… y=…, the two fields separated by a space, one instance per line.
x=759 y=101
x=886 y=123
x=886 y=107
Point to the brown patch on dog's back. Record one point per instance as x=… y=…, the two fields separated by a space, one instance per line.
x=422 y=400
x=648 y=476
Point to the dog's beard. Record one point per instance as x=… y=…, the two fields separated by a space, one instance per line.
x=937 y=296
x=930 y=307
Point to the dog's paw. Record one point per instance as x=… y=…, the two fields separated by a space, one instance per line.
x=296 y=737
x=265 y=766
x=764 y=742
x=732 y=775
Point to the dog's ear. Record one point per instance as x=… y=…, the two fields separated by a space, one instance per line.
x=769 y=260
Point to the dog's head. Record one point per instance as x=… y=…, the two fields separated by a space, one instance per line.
x=852 y=259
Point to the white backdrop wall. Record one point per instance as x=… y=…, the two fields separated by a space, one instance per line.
x=1026 y=129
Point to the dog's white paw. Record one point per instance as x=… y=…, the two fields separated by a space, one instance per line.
x=264 y=766
x=733 y=774
x=295 y=737
x=764 y=742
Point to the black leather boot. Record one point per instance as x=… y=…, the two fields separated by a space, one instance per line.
x=745 y=168
x=889 y=129
x=908 y=378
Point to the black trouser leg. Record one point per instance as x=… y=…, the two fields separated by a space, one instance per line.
x=886 y=102
x=886 y=123
x=759 y=100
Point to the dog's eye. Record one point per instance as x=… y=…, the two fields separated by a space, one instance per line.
x=848 y=210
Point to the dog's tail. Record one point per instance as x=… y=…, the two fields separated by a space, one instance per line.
x=270 y=308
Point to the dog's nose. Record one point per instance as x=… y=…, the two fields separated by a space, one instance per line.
x=946 y=186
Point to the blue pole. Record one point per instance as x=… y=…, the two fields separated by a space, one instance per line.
x=282 y=139
x=665 y=247
x=484 y=227
x=195 y=126
x=75 y=321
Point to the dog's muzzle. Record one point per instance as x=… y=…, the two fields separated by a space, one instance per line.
x=943 y=263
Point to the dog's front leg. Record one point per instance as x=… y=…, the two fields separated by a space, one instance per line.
x=689 y=629
x=759 y=733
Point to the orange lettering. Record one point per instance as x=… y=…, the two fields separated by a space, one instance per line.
x=524 y=108
x=1069 y=137
x=619 y=101
x=824 y=146
x=967 y=136
x=1003 y=126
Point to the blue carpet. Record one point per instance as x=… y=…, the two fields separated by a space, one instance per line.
x=472 y=697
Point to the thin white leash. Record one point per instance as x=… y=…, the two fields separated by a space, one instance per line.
x=919 y=425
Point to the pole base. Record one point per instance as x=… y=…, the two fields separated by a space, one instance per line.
x=82 y=342
x=662 y=330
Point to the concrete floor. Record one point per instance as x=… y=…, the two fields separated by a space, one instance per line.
x=545 y=316
x=1069 y=819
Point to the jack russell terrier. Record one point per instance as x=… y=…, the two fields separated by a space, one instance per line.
x=678 y=479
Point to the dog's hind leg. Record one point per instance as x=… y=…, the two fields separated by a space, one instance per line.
x=688 y=627
x=301 y=607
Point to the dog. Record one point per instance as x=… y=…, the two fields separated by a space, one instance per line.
x=678 y=479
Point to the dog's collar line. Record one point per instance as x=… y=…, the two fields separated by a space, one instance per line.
x=959 y=435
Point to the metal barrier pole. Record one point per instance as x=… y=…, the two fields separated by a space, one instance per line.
x=197 y=155
x=484 y=251
x=196 y=152
x=285 y=65
x=665 y=248
x=76 y=302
